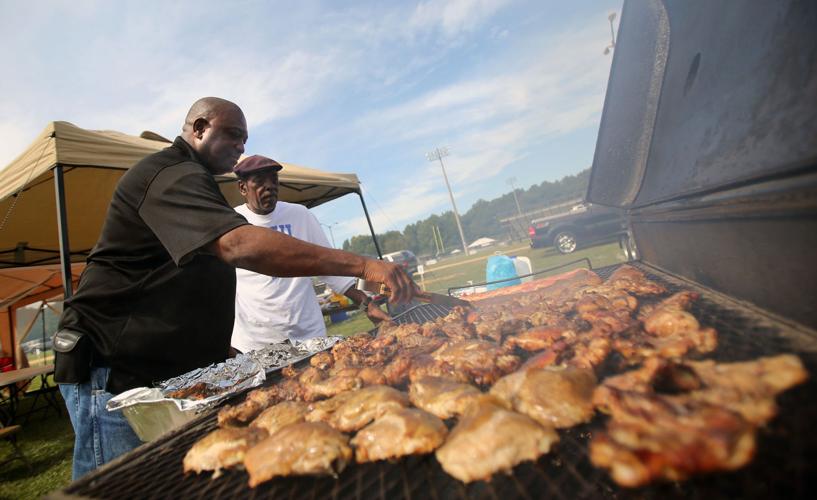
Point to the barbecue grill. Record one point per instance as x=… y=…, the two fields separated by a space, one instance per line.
x=708 y=141
x=786 y=448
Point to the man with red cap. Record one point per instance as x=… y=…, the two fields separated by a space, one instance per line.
x=270 y=309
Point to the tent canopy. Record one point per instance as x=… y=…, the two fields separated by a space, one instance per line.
x=93 y=161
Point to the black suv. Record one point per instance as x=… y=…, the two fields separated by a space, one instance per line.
x=584 y=223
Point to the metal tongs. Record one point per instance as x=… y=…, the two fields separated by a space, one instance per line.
x=426 y=297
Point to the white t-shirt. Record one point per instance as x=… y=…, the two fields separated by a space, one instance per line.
x=270 y=310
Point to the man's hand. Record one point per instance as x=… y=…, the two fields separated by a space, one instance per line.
x=403 y=289
x=375 y=314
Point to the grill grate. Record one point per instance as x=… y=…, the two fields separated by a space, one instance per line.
x=786 y=448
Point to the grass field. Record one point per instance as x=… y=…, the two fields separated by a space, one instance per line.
x=47 y=441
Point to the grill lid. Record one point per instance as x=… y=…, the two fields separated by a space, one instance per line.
x=706 y=95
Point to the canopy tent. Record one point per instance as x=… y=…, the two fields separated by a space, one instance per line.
x=90 y=163
x=21 y=286
x=54 y=196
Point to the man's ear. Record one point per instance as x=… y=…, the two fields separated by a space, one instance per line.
x=199 y=126
x=242 y=187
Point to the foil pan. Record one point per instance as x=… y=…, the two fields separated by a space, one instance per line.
x=154 y=411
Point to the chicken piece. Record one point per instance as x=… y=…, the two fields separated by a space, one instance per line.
x=355 y=409
x=196 y=392
x=652 y=437
x=671 y=318
x=582 y=351
x=351 y=351
x=259 y=400
x=332 y=386
x=222 y=449
x=396 y=371
x=419 y=344
x=489 y=439
x=483 y=361
x=311 y=448
x=399 y=433
x=289 y=371
x=670 y=331
x=442 y=397
x=632 y=280
x=274 y=418
x=367 y=374
x=322 y=360
x=608 y=314
x=747 y=387
x=539 y=337
x=557 y=397
x=426 y=366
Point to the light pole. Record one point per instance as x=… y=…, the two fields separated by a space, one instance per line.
x=438 y=154
x=611 y=18
x=511 y=181
x=331 y=234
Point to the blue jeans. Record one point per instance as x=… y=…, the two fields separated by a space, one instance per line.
x=100 y=435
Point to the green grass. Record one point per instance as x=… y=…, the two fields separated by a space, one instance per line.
x=47 y=441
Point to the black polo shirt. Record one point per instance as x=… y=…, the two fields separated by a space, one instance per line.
x=152 y=302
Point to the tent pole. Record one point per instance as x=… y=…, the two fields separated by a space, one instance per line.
x=371 y=228
x=62 y=225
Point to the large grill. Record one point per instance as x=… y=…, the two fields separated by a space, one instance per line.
x=785 y=460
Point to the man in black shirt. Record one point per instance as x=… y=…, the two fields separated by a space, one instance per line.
x=157 y=296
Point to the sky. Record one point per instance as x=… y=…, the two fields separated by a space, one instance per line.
x=512 y=88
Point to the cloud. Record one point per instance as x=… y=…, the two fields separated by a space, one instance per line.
x=489 y=122
x=453 y=17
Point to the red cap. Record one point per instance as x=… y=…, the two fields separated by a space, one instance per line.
x=255 y=163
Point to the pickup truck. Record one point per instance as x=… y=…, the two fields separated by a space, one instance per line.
x=583 y=224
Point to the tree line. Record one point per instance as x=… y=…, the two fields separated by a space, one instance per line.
x=481 y=220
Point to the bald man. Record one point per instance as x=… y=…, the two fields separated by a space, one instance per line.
x=157 y=296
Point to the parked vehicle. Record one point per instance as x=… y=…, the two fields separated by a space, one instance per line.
x=405 y=258
x=583 y=224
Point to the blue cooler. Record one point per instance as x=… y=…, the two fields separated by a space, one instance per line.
x=501 y=267
x=338 y=316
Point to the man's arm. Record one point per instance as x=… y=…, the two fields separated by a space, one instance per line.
x=273 y=253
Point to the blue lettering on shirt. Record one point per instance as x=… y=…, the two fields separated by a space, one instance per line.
x=283 y=228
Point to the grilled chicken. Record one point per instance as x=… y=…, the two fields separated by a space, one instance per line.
x=399 y=433
x=274 y=418
x=670 y=420
x=632 y=280
x=258 y=400
x=352 y=410
x=311 y=448
x=489 y=439
x=483 y=361
x=442 y=397
x=332 y=386
x=557 y=397
x=669 y=331
x=539 y=337
x=652 y=437
x=426 y=366
x=222 y=449
x=747 y=388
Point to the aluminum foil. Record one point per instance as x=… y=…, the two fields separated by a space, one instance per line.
x=225 y=379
